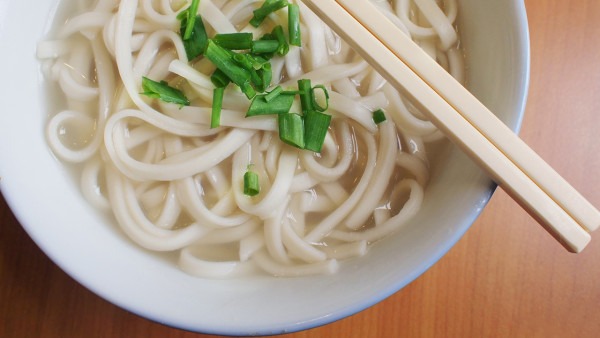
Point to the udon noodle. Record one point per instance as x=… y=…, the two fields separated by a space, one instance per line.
x=175 y=184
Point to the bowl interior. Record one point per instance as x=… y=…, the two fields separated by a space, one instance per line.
x=43 y=196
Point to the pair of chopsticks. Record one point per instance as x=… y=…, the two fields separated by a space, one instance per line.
x=515 y=167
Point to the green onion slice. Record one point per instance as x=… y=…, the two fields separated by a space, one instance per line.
x=264 y=46
x=196 y=44
x=190 y=15
x=161 y=90
x=294 y=25
x=234 y=41
x=283 y=47
x=316 y=106
x=219 y=79
x=268 y=7
x=291 y=129
x=266 y=75
x=217 y=105
x=250 y=62
x=281 y=104
x=256 y=80
x=248 y=90
x=258 y=60
x=224 y=60
x=273 y=93
x=251 y=183
x=316 y=125
x=306 y=101
x=379 y=116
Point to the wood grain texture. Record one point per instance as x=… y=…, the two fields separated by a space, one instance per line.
x=505 y=278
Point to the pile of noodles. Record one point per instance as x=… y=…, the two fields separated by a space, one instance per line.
x=175 y=184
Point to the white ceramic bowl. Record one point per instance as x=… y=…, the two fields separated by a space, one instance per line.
x=44 y=198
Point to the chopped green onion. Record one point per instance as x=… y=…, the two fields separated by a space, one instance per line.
x=251 y=184
x=306 y=101
x=246 y=61
x=190 y=15
x=259 y=61
x=161 y=90
x=264 y=46
x=379 y=116
x=268 y=36
x=243 y=61
x=294 y=25
x=254 y=61
x=315 y=130
x=196 y=44
x=251 y=71
x=223 y=59
x=266 y=75
x=316 y=106
x=281 y=104
x=283 y=47
x=248 y=90
x=268 y=7
x=217 y=105
x=219 y=79
x=273 y=93
x=234 y=41
x=263 y=49
x=256 y=80
x=260 y=74
x=291 y=129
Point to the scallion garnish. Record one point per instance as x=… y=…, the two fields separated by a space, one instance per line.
x=196 y=44
x=190 y=15
x=273 y=93
x=294 y=25
x=315 y=105
x=223 y=59
x=217 y=105
x=281 y=104
x=291 y=129
x=268 y=7
x=161 y=90
x=379 y=116
x=251 y=183
x=306 y=101
x=244 y=60
x=264 y=46
x=266 y=75
x=258 y=60
x=219 y=79
x=248 y=90
x=251 y=72
x=256 y=80
x=234 y=41
x=283 y=47
x=316 y=125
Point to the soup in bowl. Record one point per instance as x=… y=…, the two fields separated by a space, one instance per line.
x=98 y=234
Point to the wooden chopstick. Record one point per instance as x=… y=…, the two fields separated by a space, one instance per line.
x=555 y=204
x=476 y=113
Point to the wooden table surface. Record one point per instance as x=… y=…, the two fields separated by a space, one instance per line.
x=505 y=278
